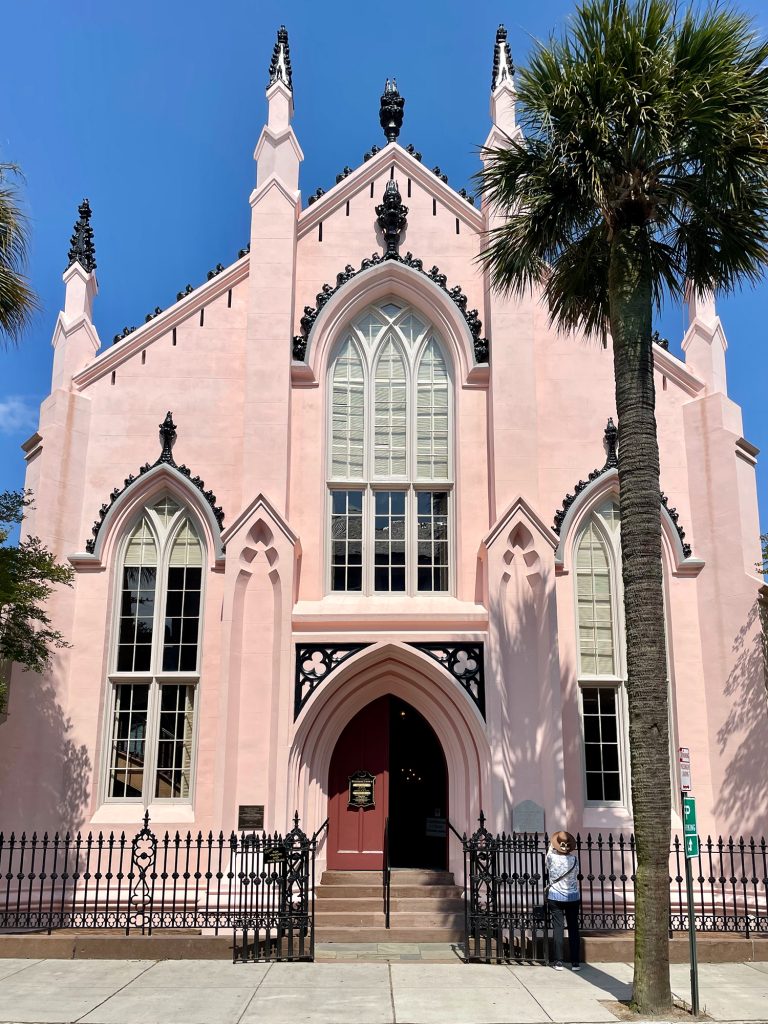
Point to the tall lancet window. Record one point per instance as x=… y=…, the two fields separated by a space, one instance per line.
x=601 y=656
x=155 y=664
x=390 y=466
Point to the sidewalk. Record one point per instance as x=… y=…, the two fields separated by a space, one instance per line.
x=217 y=992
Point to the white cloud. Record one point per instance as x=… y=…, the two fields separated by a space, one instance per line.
x=17 y=415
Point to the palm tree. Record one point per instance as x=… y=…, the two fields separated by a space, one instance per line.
x=642 y=166
x=17 y=300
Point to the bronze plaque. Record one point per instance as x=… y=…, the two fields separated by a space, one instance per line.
x=361 y=790
x=274 y=855
x=250 y=817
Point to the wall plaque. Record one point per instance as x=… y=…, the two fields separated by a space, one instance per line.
x=437 y=827
x=528 y=816
x=250 y=817
x=274 y=855
x=361 y=790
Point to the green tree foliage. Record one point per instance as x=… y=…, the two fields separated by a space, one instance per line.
x=17 y=300
x=642 y=168
x=28 y=575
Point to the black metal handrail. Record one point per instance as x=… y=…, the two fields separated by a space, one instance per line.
x=387 y=874
x=323 y=827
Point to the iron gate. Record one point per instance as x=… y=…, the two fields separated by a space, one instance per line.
x=275 y=919
x=504 y=904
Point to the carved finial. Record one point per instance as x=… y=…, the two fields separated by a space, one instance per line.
x=81 y=248
x=391 y=110
x=611 y=437
x=280 y=65
x=503 y=68
x=392 y=217
x=168 y=437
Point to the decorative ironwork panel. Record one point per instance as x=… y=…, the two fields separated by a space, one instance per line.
x=314 y=664
x=505 y=917
x=465 y=662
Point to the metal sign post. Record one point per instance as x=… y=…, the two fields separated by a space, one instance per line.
x=691 y=844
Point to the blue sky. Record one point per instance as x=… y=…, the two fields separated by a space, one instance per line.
x=152 y=110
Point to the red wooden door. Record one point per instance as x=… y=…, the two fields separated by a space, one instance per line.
x=355 y=834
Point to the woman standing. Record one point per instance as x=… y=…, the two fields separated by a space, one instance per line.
x=563 y=897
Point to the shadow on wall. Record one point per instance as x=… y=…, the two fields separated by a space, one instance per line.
x=55 y=791
x=528 y=731
x=743 y=737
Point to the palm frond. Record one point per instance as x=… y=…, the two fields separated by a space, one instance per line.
x=18 y=302
x=638 y=114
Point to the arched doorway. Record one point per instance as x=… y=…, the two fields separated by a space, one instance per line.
x=387 y=766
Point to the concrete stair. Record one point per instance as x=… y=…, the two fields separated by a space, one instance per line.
x=425 y=906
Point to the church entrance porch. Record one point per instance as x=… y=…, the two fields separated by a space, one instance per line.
x=387 y=783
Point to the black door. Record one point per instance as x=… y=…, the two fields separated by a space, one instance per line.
x=418 y=791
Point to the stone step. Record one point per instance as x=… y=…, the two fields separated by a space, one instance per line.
x=399 y=876
x=375 y=918
x=414 y=904
x=335 y=933
x=325 y=892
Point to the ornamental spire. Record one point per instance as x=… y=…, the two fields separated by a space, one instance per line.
x=503 y=68
x=611 y=437
x=280 y=65
x=168 y=437
x=392 y=218
x=81 y=248
x=391 y=110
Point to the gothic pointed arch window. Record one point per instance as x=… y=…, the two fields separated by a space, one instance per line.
x=599 y=624
x=155 y=658
x=390 y=465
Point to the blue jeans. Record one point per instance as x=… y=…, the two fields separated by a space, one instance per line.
x=566 y=912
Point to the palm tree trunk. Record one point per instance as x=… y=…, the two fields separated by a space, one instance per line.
x=630 y=299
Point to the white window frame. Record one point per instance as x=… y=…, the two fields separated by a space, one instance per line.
x=412 y=354
x=618 y=679
x=154 y=677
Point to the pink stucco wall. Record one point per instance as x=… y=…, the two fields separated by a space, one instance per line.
x=251 y=423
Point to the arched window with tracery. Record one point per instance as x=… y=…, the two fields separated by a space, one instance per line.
x=390 y=467
x=154 y=671
x=599 y=624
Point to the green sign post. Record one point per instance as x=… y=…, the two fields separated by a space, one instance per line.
x=691 y=842
x=690 y=832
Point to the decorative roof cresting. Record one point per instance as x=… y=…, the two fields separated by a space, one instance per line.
x=392 y=217
x=503 y=68
x=391 y=110
x=81 y=247
x=280 y=65
x=457 y=296
x=610 y=443
x=168 y=439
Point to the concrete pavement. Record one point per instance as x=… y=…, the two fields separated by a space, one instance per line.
x=217 y=992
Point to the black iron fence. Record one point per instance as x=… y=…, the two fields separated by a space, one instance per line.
x=262 y=887
x=505 y=875
x=259 y=886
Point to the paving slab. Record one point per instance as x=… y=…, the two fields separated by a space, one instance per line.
x=76 y=974
x=49 y=1004
x=757 y=966
x=13 y=966
x=321 y=1006
x=201 y=974
x=433 y=977
x=346 y=976
x=467 y=1004
x=570 y=997
x=727 y=992
x=172 y=1006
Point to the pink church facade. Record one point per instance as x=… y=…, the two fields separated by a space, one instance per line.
x=414 y=521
